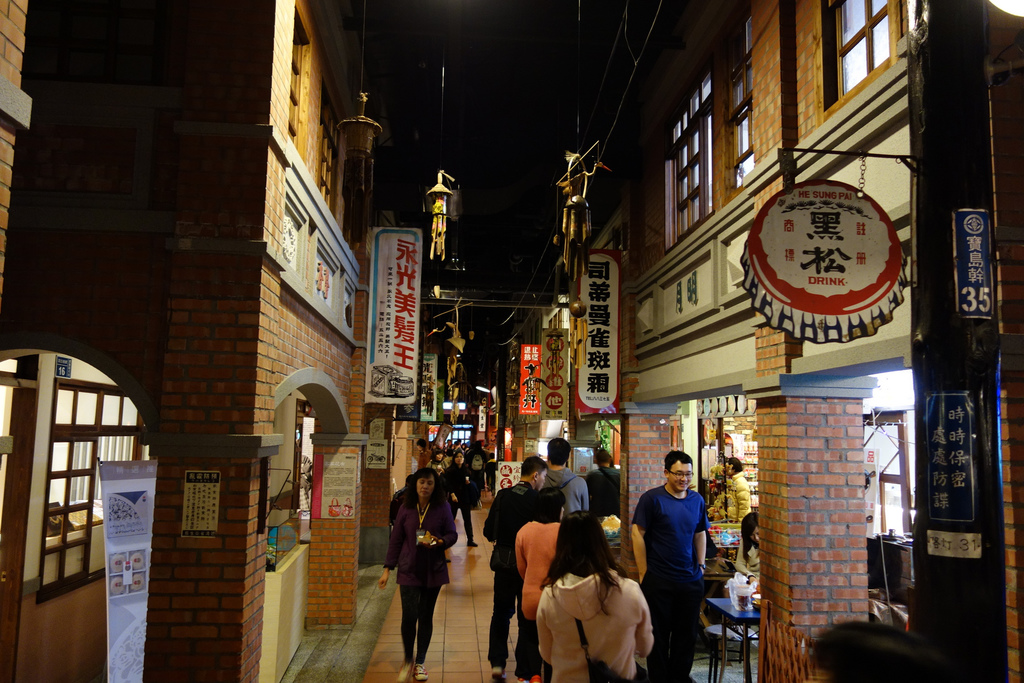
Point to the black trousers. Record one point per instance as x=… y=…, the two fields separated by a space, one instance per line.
x=417 y=610
x=675 y=609
x=508 y=599
x=467 y=519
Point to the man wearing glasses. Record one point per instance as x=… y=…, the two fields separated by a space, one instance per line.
x=669 y=543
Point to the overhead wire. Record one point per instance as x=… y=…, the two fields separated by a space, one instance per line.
x=621 y=32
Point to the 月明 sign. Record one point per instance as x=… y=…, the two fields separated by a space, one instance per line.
x=824 y=264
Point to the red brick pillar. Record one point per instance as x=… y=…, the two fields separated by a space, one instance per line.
x=811 y=516
x=645 y=442
x=206 y=594
x=334 y=545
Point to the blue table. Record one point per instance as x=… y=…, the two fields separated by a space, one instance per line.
x=723 y=607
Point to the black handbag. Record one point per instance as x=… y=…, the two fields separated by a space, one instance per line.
x=503 y=557
x=599 y=671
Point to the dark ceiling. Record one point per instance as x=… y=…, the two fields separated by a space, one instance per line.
x=523 y=82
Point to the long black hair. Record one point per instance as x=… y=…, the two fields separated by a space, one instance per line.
x=582 y=549
x=412 y=498
x=747 y=528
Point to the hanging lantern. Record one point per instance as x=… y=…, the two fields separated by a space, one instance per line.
x=357 y=186
x=438 y=199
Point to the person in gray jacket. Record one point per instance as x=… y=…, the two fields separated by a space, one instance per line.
x=574 y=488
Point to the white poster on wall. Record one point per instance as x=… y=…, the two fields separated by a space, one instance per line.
x=127 y=492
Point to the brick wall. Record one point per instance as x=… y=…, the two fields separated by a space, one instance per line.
x=333 y=560
x=642 y=459
x=12 y=37
x=206 y=594
x=1007 y=106
x=810 y=479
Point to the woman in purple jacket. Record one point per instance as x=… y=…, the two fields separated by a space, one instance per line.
x=423 y=529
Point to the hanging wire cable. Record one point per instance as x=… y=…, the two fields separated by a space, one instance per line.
x=440 y=146
x=362 y=49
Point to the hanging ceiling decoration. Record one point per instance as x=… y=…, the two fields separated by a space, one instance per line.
x=357 y=186
x=575 y=236
x=438 y=198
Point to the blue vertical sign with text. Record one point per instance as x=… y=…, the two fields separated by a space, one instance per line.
x=949 y=427
x=972 y=252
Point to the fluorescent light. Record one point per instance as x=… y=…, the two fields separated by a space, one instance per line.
x=483 y=389
x=447 y=405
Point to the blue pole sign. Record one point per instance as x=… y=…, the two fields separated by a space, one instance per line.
x=949 y=426
x=972 y=252
x=63 y=369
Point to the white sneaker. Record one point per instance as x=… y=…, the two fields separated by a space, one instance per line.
x=421 y=673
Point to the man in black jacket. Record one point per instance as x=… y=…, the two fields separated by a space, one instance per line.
x=603 y=485
x=512 y=508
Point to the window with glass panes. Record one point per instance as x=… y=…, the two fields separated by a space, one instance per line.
x=91 y=423
x=689 y=162
x=862 y=28
x=742 y=79
x=300 y=52
x=328 y=148
x=102 y=41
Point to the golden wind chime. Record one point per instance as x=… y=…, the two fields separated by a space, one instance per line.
x=456 y=371
x=574 y=239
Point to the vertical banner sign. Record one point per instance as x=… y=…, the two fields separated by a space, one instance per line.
x=556 y=387
x=394 y=315
x=430 y=399
x=597 y=378
x=338 y=477
x=377 y=446
x=952 y=489
x=972 y=252
x=127 y=489
x=529 y=379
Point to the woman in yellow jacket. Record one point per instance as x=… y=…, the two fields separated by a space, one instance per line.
x=738 y=491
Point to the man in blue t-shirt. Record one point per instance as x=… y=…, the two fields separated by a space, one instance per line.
x=669 y=545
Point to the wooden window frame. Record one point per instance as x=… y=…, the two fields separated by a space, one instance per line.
x=690 y=180
x=66 y=43
x=741 y=100
x=73 y=434
x=328 y=150
x=298 y=88
x=831 y=50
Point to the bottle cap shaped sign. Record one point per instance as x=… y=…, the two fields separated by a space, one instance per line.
x=824 y=264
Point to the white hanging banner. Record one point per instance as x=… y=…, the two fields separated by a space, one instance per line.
x=597 y=378
x=127 y=490
x=392 y=353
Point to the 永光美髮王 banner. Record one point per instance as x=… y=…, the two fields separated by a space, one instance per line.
x=393 y=348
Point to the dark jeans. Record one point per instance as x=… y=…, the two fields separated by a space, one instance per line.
x=417 y=610
x=508 y=599
x=467 y=519
x=675 y=608
x=528 y=649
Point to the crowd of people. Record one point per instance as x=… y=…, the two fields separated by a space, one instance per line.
x=554 y=569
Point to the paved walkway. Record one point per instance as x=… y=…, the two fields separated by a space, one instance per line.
x=371 y=650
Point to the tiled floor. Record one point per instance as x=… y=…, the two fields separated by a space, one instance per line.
x=371 y=650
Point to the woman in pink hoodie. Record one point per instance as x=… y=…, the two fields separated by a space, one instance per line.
x=585 y=583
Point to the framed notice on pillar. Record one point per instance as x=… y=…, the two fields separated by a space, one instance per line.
x=201 y=503
x=597 y=378
x=338 y=477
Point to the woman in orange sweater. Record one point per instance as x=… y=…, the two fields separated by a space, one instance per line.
x=535 y=548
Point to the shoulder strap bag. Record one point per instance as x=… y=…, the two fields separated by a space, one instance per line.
x=599 y=671
x=503 y=557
